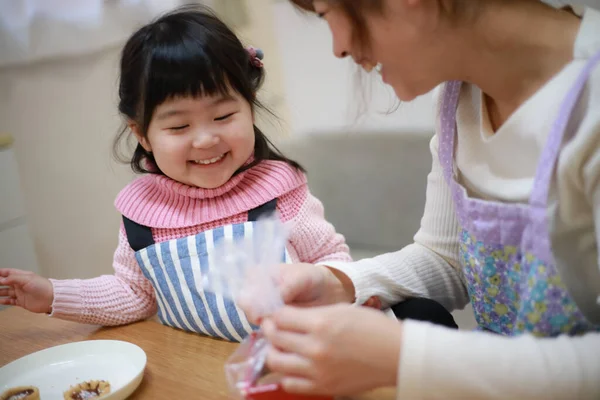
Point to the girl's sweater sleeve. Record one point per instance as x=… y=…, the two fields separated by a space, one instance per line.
x=122 y=298
x=312 y=236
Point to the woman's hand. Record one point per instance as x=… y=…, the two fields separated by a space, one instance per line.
x=333 y=350
x=26 y=289
x=305 y=285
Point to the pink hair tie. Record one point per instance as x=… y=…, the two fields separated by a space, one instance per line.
x=256 y=56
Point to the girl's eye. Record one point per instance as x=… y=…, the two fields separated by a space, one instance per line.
x=224 y=117
x=178 y=128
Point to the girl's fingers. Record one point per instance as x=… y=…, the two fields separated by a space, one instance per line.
x=4 y=272
x=7 y=292
x=8 y=301
x=19 y=279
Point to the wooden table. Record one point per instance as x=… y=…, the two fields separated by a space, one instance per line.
x=180 y=364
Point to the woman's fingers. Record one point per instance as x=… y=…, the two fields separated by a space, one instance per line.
x=289 y=364
x=7 y=292
x=302 y=320
x=287 y=341
x=298 y=385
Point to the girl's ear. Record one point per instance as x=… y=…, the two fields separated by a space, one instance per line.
x=138 y=135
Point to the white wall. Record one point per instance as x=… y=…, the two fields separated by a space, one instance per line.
x=322 y=92
x=259 y=32
x=63 y=115
x=41 y=30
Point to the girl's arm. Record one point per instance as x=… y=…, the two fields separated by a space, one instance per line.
x=122 y=298
x=429 y=267
x=438 y=363
x=313 y=238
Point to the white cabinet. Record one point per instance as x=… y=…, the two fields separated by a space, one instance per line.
x=11 y=201
x=16 y=249
x=16 y=246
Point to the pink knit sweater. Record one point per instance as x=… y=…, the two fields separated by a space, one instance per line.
x=174 y=210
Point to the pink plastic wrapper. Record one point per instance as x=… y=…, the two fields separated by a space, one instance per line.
x=248 y=378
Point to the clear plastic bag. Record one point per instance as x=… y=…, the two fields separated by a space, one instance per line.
x=245 y=268
x=245 y=265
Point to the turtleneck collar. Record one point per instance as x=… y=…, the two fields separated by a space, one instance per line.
x=158 y=201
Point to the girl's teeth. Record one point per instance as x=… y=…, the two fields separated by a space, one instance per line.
x=210 y=161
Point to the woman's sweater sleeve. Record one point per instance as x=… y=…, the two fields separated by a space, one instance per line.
x=429 y=267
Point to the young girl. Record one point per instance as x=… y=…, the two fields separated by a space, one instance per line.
x=511 y=222
x=188 y=92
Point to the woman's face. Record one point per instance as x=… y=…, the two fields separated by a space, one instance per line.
x=404 y=38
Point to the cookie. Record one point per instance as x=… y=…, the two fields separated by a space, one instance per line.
x=88 y=390
x=21 y=393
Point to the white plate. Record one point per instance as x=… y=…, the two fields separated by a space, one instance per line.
x=55 y=369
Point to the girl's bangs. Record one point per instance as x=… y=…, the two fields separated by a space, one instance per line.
x=182 y=69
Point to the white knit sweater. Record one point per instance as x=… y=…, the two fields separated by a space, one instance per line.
x=437 y=363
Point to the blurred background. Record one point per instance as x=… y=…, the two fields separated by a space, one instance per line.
x=58 y=117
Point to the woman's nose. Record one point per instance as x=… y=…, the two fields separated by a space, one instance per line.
x=341 y=43
x=205 y=140
x=339 y=51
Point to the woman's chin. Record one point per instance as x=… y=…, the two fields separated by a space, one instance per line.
x=404 y=94
x=408 y=92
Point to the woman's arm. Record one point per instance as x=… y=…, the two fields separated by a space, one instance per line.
x=429 y=267
x=122 y=298
x=439 y=363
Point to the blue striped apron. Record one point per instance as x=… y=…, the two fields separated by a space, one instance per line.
x=176 y=268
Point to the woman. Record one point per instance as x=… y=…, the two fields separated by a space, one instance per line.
x=510 y=222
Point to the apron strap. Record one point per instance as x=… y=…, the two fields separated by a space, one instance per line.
x=263 y=210
x=140 y=236
x=449 y=105
x=547 y=164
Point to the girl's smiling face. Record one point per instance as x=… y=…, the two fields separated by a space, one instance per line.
x=200 y=141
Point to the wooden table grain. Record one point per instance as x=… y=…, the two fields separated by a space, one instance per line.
x=180 y=364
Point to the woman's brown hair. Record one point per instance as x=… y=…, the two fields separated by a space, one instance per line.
x=355 y=10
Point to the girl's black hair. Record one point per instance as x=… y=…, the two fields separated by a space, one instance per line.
x=187 y=52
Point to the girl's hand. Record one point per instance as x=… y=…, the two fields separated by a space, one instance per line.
x=333 y=350
x=26 y=289
x=305 y=285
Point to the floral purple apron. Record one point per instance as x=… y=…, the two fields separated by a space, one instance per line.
x=505 y=249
